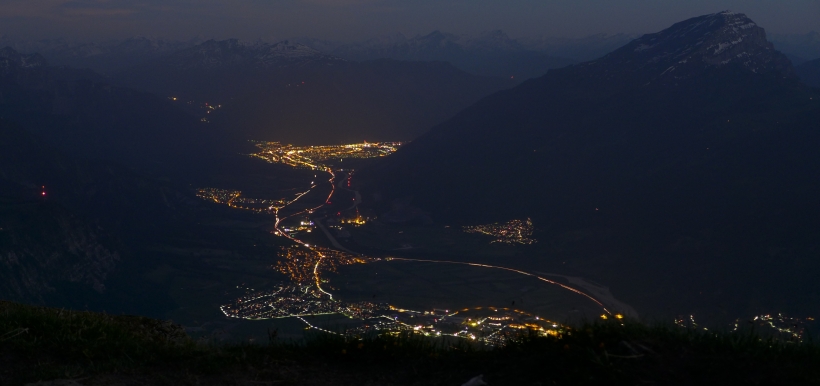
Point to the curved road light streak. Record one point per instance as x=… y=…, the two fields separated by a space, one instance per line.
x=564 y=286
x=316 y=328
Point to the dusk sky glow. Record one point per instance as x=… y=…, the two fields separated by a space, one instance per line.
x=358 y=19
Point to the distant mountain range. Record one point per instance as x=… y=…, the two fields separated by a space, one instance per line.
x=230 y=53
x=684 y=161
x=104 y=57
x=490 y=54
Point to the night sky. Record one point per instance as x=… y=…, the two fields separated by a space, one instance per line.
x=357 y=19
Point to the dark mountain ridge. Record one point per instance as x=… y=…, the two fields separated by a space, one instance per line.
x=80 y=113
x=69 y=225
x=289 y=92
x=686 y=151
x=809 y=73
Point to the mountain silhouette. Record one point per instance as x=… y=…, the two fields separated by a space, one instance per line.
x=684 y=159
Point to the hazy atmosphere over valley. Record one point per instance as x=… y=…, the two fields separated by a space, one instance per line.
x=346 y=192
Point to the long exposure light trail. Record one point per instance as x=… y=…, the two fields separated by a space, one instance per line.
x=279 y=220
x=316 y=328
x=316 y=276
x=564 y=286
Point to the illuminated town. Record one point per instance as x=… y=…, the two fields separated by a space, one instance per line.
x=304 y=265
x=487 y=325
x=510 y=232
x=315 y=157
x=234 y=199
x=354 y=221
x=281 y=302
x=305 y=296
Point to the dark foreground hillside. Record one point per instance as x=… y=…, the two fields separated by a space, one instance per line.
x=41 y=345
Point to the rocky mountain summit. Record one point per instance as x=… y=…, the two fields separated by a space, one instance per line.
x=692 y=47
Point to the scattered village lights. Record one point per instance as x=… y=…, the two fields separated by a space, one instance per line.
x=510 y=232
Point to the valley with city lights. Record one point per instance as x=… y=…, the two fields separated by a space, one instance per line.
x=360 y=276
x=379 y=293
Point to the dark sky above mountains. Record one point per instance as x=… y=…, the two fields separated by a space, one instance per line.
x=356 y=19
